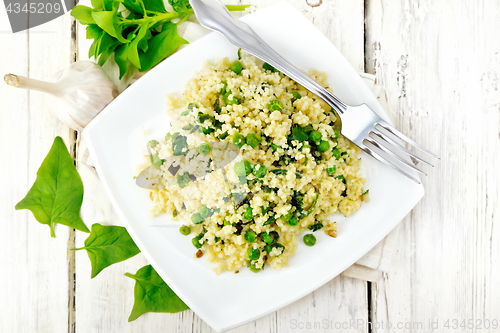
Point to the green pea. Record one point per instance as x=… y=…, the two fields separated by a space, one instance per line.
x=259 y=170
x=250 y=236
x=205 y=212
x=153 y=143
x=253 y=268
x=253 y=254
x=234 y=100
x=275 y=235
x=309 y=239
x=196 y=218
x=239 y=168
x=331 y=170
x=248 y=214
x=196 y=242
x=267 y=238
x=223 y=89
x=336 y=153
x=185 y=230
x=287 y=217
x=236 y=66
x=337 y=133
x=315 y=136
x=204 y=148
x=296 y=96
x=293 y=221
x=323 y=146
x=275 y=105
x=253 y=139
x=238 y=139
x=248 y=167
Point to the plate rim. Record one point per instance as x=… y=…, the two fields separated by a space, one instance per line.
x=145 y=250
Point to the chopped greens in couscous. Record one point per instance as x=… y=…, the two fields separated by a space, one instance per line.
x=251 y=161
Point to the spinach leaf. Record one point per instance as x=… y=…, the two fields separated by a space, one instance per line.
x=155 y=6
x=316 y=226
x=83 y=14
x=121 y=59
x=161 y=46
x=57 y=194
x=141 y=36
x=298 y=134
x=105 y=21
x=279 y=171
x=152 y=294
x=107 y=245
x=179 y=5
x=179 y=145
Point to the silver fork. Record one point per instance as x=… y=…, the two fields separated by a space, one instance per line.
x=360 y=124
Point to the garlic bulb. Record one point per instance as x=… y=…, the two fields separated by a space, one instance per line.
x=83 y=87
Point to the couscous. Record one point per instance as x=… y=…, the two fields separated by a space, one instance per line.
x=251 y=161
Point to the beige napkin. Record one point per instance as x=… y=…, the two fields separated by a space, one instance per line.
x=372 y=264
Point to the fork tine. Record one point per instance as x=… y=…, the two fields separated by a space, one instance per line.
x=401 y=147
x=378 y=157
x=386 y=147
x=403 y=137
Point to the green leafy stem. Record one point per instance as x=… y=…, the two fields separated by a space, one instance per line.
x=140 y=33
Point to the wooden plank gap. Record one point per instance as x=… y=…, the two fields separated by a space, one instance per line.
x=72 y=234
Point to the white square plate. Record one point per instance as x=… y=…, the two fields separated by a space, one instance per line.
x=230 y=300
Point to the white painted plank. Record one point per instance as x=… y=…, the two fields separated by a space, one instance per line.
x=34 y=284
x=104 y=303
x=439 y=62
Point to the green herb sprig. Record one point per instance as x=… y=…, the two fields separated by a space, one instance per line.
x=140 y=33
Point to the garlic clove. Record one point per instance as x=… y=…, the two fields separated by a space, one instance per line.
x=83 y=87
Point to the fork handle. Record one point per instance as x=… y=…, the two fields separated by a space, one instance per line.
x=241 y=35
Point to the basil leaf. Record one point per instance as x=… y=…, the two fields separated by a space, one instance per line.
x=83 y=14
x=107 y=245
x=161 y=46
x=152 y=294
x=57 y=194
